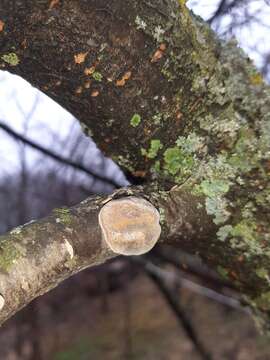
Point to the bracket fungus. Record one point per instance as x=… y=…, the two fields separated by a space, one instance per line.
x=130 y=225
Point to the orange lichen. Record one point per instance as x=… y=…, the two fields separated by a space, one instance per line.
x=87 y=84
x=2 y=24
x=158 y=53
x=53 y=3
x=162 y=47
x=95 y=93
x=80 y=58
x=89 y=71
x=241 y=258
x=139 y=173
x=24 y=43
x=233 y=274
x=124 y=79
x=157 y=56
x=79 y=90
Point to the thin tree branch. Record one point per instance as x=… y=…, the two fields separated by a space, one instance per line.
x=55 y=156
x=224 y=7
x=172 y=278
x=187 y=263
x=173 y=301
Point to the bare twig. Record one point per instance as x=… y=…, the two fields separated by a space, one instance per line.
x=188 y=263
x=171 y=277
x=173 y=301
x=55 y=156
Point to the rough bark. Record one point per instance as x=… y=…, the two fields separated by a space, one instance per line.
x=35 y=257
x=171 y=103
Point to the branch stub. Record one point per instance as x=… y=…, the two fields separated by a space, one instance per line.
x=130 y=225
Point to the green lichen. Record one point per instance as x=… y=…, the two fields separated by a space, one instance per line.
x=155 y=146
x=8 y=254
x=155 y=169
x=191 y=144
x=181 y=160
x=97 y=76
x=135 y=120
x=256 y=79
x=178 y=164
x=173 y=157
x=215 y=187
x=263 y=301
x=226 y=156
x=245 y=229
x=227 y=161
x=63 y=215
x=11 y=59
x=245 y=156
x=224 y=232
x=263 y=274
x=246 y=232
x=263 y=197
x=218 y=208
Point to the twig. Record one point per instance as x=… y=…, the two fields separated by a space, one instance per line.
x=55 y=156
x=174 y=304
x=198 y=289
x=190 y=264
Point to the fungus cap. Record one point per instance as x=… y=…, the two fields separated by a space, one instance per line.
x=130 y=225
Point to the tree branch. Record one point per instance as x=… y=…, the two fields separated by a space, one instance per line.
x=171 y=103
x=55 y=156
x=172 y=298
x=39 y=255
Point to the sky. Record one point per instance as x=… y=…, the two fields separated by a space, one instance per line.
x=39 y=118
x=19 y=101
x=253 y=37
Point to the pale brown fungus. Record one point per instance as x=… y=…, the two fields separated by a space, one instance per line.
x=130 y=225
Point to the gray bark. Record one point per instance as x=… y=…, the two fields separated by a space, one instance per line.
x=37 y=256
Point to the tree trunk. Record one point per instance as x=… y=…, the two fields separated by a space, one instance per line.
x=172 y=104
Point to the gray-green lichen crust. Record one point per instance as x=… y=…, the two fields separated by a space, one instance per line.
x=223 y=150
x=225 y=153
